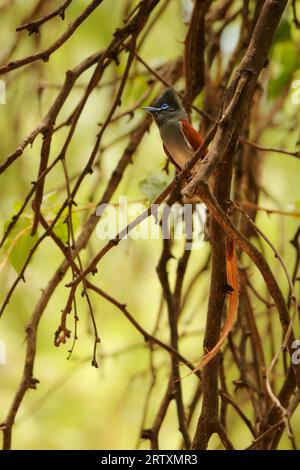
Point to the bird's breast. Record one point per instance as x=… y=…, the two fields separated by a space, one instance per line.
x=176 y=143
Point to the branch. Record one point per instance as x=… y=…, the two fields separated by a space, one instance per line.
x=171 y=71
x=209 y=419
x=194 y=66
x=49 y=119
x=239 y=92
x=269 y=149
x=45 y=54
x=173 y=303
x=148 y=337
x=34 y=26
x=245 y=245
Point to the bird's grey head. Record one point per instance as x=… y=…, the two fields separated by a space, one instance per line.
x=167 y=107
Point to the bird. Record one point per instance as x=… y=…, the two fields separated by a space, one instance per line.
x=180 y=142
x=180 y=139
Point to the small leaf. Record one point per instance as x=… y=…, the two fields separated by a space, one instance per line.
x=61 y=230
x=154 y=185
x=61 y=226
x=17 y=205
x=20 y=242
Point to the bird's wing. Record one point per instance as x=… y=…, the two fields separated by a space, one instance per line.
x=192 y=136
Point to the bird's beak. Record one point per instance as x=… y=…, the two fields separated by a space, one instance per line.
x=151 y=109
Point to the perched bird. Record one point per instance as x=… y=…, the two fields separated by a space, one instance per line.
x=180 y=142
x=180 y=139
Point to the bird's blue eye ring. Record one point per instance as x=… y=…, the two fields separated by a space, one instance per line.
x=164 y=106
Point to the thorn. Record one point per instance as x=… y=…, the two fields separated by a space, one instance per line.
x=229 y=289
x=115 y=241
x=33 y=383
x=147 y=434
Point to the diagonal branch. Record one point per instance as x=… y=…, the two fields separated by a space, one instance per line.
x=45 y=54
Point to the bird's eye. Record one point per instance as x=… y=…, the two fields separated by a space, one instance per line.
x=164 y=106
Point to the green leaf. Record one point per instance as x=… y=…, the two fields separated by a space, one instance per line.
x=61 y=226
x=20 y=242
x=17 y=205
x=61 y=230
x=154 y=185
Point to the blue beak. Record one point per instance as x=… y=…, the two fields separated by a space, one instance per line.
x=151 y=109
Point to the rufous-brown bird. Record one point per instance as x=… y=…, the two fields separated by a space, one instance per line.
x=180 y=139
x=180 y=142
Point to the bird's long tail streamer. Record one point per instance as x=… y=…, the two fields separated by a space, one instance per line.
x=233 y=281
